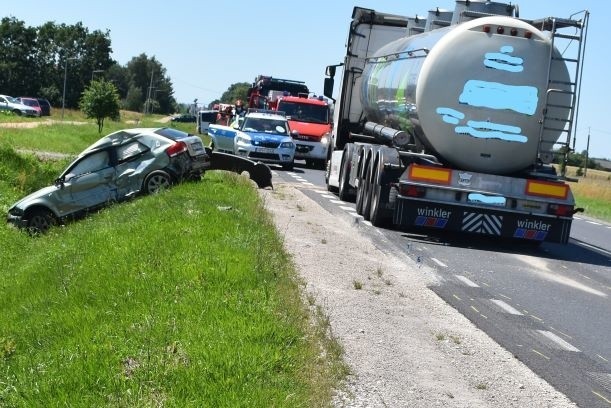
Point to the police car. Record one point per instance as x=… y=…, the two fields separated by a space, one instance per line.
x=262 y=136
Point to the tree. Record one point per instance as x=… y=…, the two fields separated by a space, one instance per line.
x=100 y=100
x=236 y=91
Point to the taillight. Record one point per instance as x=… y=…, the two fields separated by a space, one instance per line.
x=412 y=191
x=560 y=210
x=176 y=149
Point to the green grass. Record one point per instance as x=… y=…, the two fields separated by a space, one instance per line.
x=166 y=300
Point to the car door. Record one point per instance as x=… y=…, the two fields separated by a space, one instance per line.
x=90 y=181
x=222 y=137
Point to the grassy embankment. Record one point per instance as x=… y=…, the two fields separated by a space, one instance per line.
x=184 y=298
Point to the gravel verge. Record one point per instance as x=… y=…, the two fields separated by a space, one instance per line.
x=405 y=346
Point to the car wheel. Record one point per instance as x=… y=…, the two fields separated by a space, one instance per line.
x=40 y=220
x=156 y=181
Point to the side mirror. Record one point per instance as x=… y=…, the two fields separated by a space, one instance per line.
x=330 y=71
x=328 y=87
x=59 y=182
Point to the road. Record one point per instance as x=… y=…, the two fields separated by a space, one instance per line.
x=549 y=306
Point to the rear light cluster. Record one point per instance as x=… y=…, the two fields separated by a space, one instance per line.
x=560 y=210
x=412 y=191
x=501 y=30
x=176 y=149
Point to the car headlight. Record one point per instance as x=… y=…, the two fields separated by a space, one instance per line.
x=287 y=145
x=325 y=138
x=242 y=139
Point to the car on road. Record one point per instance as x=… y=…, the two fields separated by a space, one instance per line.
x=10 y=104
x=117 y=167
x=263 y=136
x=184 y=118
x=31 y=102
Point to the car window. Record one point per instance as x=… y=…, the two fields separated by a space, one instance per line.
x=89 y=164
x=129 y=151
x=172 y=133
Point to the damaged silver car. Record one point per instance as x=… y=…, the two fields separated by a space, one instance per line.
x=115 y=168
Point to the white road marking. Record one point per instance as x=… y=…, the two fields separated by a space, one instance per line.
x=438 y=262
x=593 y=223
x=337 y=201
x=327 y=195
x=560 y=342
x=307 y=183
x=467 y=281
x=350 y=209
x=592 y=247
x=507 y=307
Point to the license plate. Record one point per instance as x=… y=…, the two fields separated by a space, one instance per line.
x=265 y=150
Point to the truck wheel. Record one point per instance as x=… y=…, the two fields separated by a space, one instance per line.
x=367 y=192
x=379 y=215
x=344 y=177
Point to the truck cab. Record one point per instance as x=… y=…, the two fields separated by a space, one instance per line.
x=311 y=118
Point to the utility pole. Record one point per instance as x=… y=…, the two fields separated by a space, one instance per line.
x=147 y=105
x=585 y=167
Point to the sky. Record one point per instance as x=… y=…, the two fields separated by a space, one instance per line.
x=206 y=46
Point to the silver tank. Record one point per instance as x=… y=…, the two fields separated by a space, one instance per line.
x=473 y=97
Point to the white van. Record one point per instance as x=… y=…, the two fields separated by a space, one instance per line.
x=204 y=119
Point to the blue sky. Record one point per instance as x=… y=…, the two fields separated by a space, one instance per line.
x=208 y=45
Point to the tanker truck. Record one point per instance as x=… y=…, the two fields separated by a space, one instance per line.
x=457 y=121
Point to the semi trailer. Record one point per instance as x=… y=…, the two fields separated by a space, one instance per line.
x=460 y=121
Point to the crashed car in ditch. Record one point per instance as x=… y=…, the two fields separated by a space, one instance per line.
x=122 y=165
x=114 y=168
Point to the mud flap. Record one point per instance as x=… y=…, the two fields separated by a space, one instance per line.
x=259 y=172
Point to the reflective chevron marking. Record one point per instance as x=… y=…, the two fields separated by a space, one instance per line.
x=482 y=223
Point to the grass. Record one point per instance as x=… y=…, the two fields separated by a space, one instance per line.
x=593 y=192
x=161 y=301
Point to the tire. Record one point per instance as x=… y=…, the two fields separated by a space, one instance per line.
x=40 y=220
x=288 y=166
x=367 y=192
x=360 y=191
x=344 y=177
x=379 y=214
x=156 y=181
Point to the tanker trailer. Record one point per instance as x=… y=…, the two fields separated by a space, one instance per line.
x=455 y=128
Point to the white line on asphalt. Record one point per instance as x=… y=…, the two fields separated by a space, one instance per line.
x=560 y=342
x=438 y=262
x=307 y=183
x=327 y=195
x=337 y=201
x=593 y=223
x=592 y=247
x=506 y=307
x=343 y=207
x=467 y=281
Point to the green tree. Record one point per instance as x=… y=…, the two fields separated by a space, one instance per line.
x=236 y=91
x=100 y=100
x=150 y=77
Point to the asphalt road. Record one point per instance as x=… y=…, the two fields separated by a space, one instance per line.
x=550 y=306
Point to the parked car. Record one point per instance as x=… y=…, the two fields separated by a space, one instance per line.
x=262 y=136
x=115 y=168
x=185 y=117
x=32 y=102
x=45 y=107
x=8 y=103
